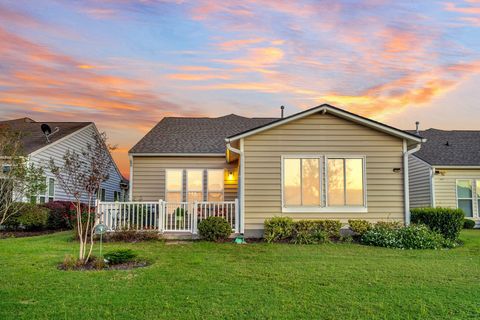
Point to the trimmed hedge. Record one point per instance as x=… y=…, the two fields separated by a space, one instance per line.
x=359 y=227
x=283 y=229
x=446 y=221
x=214 y=229
x=468 y=224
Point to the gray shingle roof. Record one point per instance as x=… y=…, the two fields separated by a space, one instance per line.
x=195 y=135
x=32 y=135
x=450 y=148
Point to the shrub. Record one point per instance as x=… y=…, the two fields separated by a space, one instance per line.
x=331 y=227
x=390 y=225
x=69 y=262
x=120 y=256
x=30 y=217
x=33 y=217
x=132 y=236
x=214 y=229
x=278 y=229
x=411 y=237
x=468 y=224
x=359 y=227
x=445 y=221
x=61 y=216
x=310 y=232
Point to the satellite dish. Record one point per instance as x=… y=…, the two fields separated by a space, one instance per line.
x=46 y=129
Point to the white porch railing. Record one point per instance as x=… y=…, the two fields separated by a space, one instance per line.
x=165 y=216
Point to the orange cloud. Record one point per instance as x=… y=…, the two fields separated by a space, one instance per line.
x=237 y=44
x=450 y=6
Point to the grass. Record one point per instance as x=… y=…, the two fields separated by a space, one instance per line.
x=226 y=281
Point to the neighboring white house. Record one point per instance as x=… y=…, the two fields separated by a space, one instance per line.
x=74 y=136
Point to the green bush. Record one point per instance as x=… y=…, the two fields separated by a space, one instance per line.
x=30 y=217
x=390 y=225
x=311 y=232
x=214 y=229
x=468 y=224
x=120 y=256
x=411 y=237
x=359 y=227
x=331 y=227
x=446 y=221
x=278 y=229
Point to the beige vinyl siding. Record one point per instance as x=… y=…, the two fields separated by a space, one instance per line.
x=149 y=175
x=446 y=186
x=419 y=174
x=325 y=135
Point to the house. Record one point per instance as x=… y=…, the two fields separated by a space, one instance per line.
x=73 y=136
x=322 y=163
x=446 y=171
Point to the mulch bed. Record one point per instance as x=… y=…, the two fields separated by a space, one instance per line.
x=92 y=267
x=23 y=234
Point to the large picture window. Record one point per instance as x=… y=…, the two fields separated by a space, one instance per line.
x=174 y=185
x=465 y=197
x=301 y=182
x=215 y=185
x=345 y=182
x=194 y=185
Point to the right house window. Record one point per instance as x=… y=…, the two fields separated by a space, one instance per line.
x=345 y=182
x=465 y=197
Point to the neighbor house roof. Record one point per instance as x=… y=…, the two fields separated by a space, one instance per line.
x=450 y=148
x=32 y=135
x=175 y=135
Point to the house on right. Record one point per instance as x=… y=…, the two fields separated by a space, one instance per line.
x=445 y=172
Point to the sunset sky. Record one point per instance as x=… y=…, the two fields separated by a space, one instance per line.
x=126 y=64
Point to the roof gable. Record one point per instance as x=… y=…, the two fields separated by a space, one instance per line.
x=335 y=111
x=450 y=147
x=33 y=138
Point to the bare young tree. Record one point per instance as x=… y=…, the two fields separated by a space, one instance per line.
x=19 y=180
x=81 y=176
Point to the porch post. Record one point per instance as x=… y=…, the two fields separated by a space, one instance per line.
x=161 y=215
x=194 y=217
x=237 y=216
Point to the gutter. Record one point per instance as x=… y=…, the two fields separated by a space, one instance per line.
x=406 y=186
x=241 y=179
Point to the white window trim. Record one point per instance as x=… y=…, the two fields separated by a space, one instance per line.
x=186 y=184
x=324 y=208
x=471 y=199
x=223 y=183
x=320 y=159
x=48 y=189
x=476 y=213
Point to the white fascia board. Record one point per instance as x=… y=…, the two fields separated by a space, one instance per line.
x=177 y=154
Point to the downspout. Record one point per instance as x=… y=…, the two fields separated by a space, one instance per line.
x=130 y=186
x=406 y=186
x=241 y=182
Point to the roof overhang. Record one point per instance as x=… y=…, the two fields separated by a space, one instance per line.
x=177 y=154
x=437 y=166
x=326 y=108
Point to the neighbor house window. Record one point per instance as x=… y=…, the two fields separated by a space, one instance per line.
x=345 y=182
x=194 y=185
x=116 y=196
x=465 y=197
x=51 y=189
x=301 y=181
x=102 y=194
x=174 y=185
x=215 y=185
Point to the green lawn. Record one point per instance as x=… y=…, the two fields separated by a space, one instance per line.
x=225 y=281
